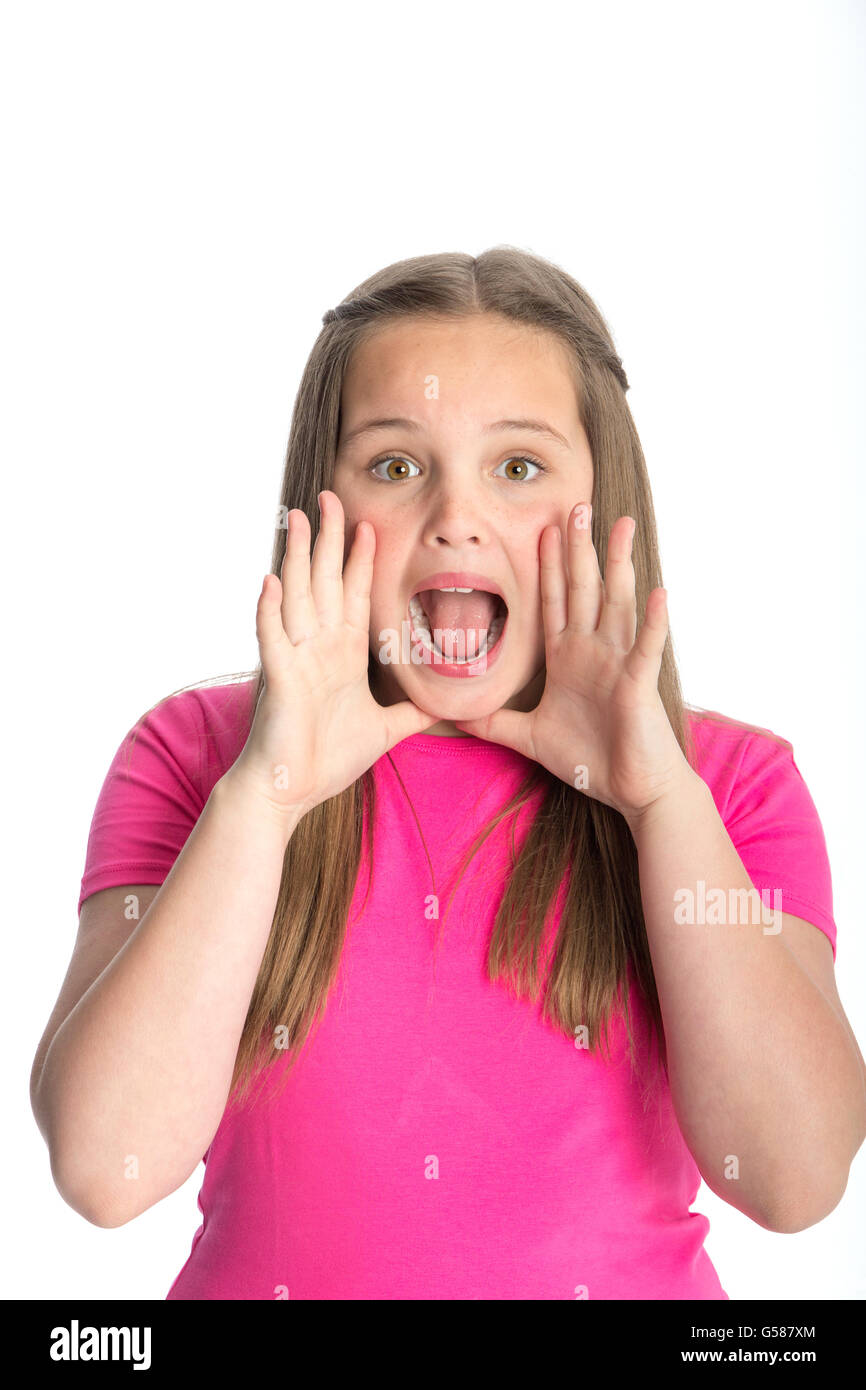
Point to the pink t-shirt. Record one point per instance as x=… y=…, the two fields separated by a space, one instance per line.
x=438 y=1140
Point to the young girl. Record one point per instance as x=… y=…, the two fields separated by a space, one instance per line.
x=527 y=945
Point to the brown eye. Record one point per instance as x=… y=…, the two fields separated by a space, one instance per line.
x=521 y=462
x=397 y=467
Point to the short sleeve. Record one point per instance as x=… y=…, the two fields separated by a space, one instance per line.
x=150 y=800
x=773 y=824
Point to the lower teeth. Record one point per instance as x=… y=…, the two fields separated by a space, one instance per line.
x=490 y=637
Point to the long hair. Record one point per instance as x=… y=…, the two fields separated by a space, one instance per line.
x=601 y=935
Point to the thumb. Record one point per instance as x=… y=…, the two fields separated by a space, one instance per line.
x=510 y=727
x=404 y=719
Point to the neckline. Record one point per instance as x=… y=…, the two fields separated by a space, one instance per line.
x=451 y=743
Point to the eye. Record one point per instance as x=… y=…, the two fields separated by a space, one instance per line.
x=405 y=464
x=524 y=459
x=393 y=458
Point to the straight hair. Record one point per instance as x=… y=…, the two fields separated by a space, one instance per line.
x=601 y=937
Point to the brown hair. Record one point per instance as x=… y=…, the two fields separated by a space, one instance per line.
x=601 y=930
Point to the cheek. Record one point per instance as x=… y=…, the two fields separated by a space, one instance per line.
x=387 y=526
x=390 y=559
x=384 y=526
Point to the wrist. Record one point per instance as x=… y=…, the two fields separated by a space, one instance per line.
x=236 y=793
x=686 y=789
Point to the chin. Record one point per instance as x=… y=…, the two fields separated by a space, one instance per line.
x=466 y=701
x=452 y=710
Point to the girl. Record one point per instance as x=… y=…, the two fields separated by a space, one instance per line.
x=457 y=869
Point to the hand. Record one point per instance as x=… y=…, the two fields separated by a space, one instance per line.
x=600 y=724
x=317 y=726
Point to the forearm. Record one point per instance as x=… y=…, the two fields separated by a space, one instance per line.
x=761 y=1070
x=137 y=1077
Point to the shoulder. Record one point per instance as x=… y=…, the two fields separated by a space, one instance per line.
x=733 y=756
x=768 y=812
x=716 y=733
x=217 y=705
x=197 y=730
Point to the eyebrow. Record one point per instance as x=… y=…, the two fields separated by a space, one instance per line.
x=535 y=426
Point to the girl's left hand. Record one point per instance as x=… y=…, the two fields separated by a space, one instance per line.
x=600 y=724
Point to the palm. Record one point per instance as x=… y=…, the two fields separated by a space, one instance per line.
x=600 y=724
x=317 y=727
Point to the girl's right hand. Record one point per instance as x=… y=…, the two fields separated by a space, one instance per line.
x=317 y=727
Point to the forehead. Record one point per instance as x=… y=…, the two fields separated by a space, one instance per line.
x=483 y=360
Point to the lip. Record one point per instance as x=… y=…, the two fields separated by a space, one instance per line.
x=459 y=579
x=462 y=579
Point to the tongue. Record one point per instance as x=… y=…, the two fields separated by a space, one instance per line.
x=463 y=619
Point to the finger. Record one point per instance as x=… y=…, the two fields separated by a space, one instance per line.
x=554 y=583
x=358 y=577
x=326 y=579
x=510 y=727
x=644 y=661
x=298 y=609
x=404 y=719
x=270 y=633
x=585 y=589
x=618 y=620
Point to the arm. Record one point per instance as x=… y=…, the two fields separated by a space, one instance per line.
x=766 y=1079
x=763 y=1068
x=142 y=1065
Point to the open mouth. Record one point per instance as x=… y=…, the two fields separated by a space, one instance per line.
x=458 y=627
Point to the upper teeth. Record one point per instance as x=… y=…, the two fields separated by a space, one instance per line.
x=455 y=591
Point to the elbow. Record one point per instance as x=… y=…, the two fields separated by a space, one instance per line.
x=87 y=1203
x=798 y=1213
x=815 y=1201
x=93 y=1210
x=96 y=1216
x=74 y=1187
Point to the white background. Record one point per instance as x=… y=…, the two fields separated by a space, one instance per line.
x=189 y=187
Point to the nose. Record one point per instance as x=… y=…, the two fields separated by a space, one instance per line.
x=455 y=520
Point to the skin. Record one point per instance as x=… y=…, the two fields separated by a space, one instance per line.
x=458 y=507
x=576 y=690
